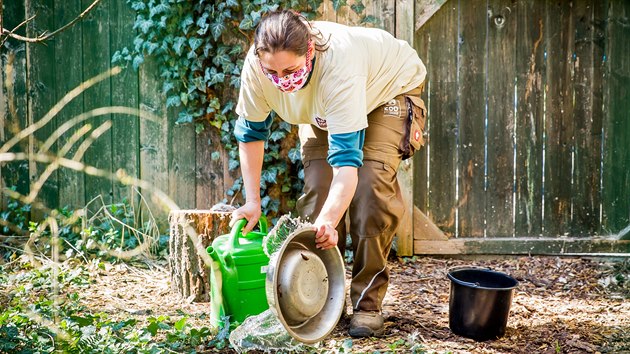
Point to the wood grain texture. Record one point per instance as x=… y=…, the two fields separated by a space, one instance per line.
x=472 y=125
x=67 y=66
x=502 y=20
x=125 y=92
x=530 y=52
x=189 y=272
x=41 y=94
x=587 y=117
x=442 y=63
x=13 y=99
x=154 y=136
x=616 y=171
x=96 y=60
x=559 y=44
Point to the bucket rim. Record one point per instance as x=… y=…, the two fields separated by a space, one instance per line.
x=483 y=270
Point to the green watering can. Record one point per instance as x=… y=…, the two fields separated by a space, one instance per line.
x=237 y=274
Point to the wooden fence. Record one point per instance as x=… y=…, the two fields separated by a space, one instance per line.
x=529 y=119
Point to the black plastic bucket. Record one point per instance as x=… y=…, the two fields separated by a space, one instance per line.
x=479 y=302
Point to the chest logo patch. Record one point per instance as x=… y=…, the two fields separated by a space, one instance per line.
x=321 y=122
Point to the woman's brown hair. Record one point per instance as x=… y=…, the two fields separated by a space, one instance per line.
x=287 y=30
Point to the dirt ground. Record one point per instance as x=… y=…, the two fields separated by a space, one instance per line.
x=562 y=305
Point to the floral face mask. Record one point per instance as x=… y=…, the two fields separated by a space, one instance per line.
x=294 y=81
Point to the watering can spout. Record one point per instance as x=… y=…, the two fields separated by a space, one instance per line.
x=213 y=254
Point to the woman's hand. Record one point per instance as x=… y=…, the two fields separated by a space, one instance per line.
x=326 y=236
x=250 y=212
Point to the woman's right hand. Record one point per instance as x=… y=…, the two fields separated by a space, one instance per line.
x=250 y=212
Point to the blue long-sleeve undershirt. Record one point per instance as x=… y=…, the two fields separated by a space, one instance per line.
x=343 y=149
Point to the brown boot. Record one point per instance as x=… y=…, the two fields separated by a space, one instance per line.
x=366 y=324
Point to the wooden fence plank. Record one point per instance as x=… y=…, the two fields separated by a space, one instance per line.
x=404 y=29
x=502 y=19
x=346 y=16
x=390 y=15
x=96 y=40
x=326 y=11
x=587 y=117
x=154 y=136
x=67 y=67
x=425 y=9
x=210 y=175
x=529 y=117
x=13 y=99
x=421 y=158
x=472 y=111
x=125 y=129
x=181 y=167
x=443 y=113
x=41 y=93
x=616 y=178
x=558 y=118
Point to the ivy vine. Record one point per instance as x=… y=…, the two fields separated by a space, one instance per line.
x=199 y=47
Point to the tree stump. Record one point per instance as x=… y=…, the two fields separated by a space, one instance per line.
x=191 y=232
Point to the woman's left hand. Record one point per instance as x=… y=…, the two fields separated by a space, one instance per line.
x=326 y=236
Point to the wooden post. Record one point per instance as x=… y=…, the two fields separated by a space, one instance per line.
x=191 y=232
x=404 y=30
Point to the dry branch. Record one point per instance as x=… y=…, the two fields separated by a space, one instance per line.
x=42 y=37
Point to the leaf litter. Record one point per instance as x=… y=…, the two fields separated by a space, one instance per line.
x=562 y=305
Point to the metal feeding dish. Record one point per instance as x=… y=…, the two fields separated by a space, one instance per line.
x=306 y=287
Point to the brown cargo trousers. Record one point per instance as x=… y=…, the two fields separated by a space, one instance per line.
x=377 y=207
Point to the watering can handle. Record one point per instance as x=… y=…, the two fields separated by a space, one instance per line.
x=238 y=227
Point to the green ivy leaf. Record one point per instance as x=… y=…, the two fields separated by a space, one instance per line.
x=269 y=175
x=137 y=60
x=358 y=7
x=145 y=26
x=167 y=86
x=233 y=164
x=295 y=155
x=179 y=325
x=158 y=9
x=285 y=126
x=152 y=328
x=264 y=202
x=186 y=23
x=150 y=47
x=138 y=5
x=183 y=97
x=217 y=28
x=235 y=81
x=369 y=19
x=195 y=43
x=178 y=44
x=337 y=4
x=173 y=101
x=277 y=135
x=184 y=117
x=247 y=23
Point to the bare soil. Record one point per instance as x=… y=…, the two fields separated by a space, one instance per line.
x=562 y=305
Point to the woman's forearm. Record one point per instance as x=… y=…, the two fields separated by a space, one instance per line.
x=340 y=195
x=251 y=156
